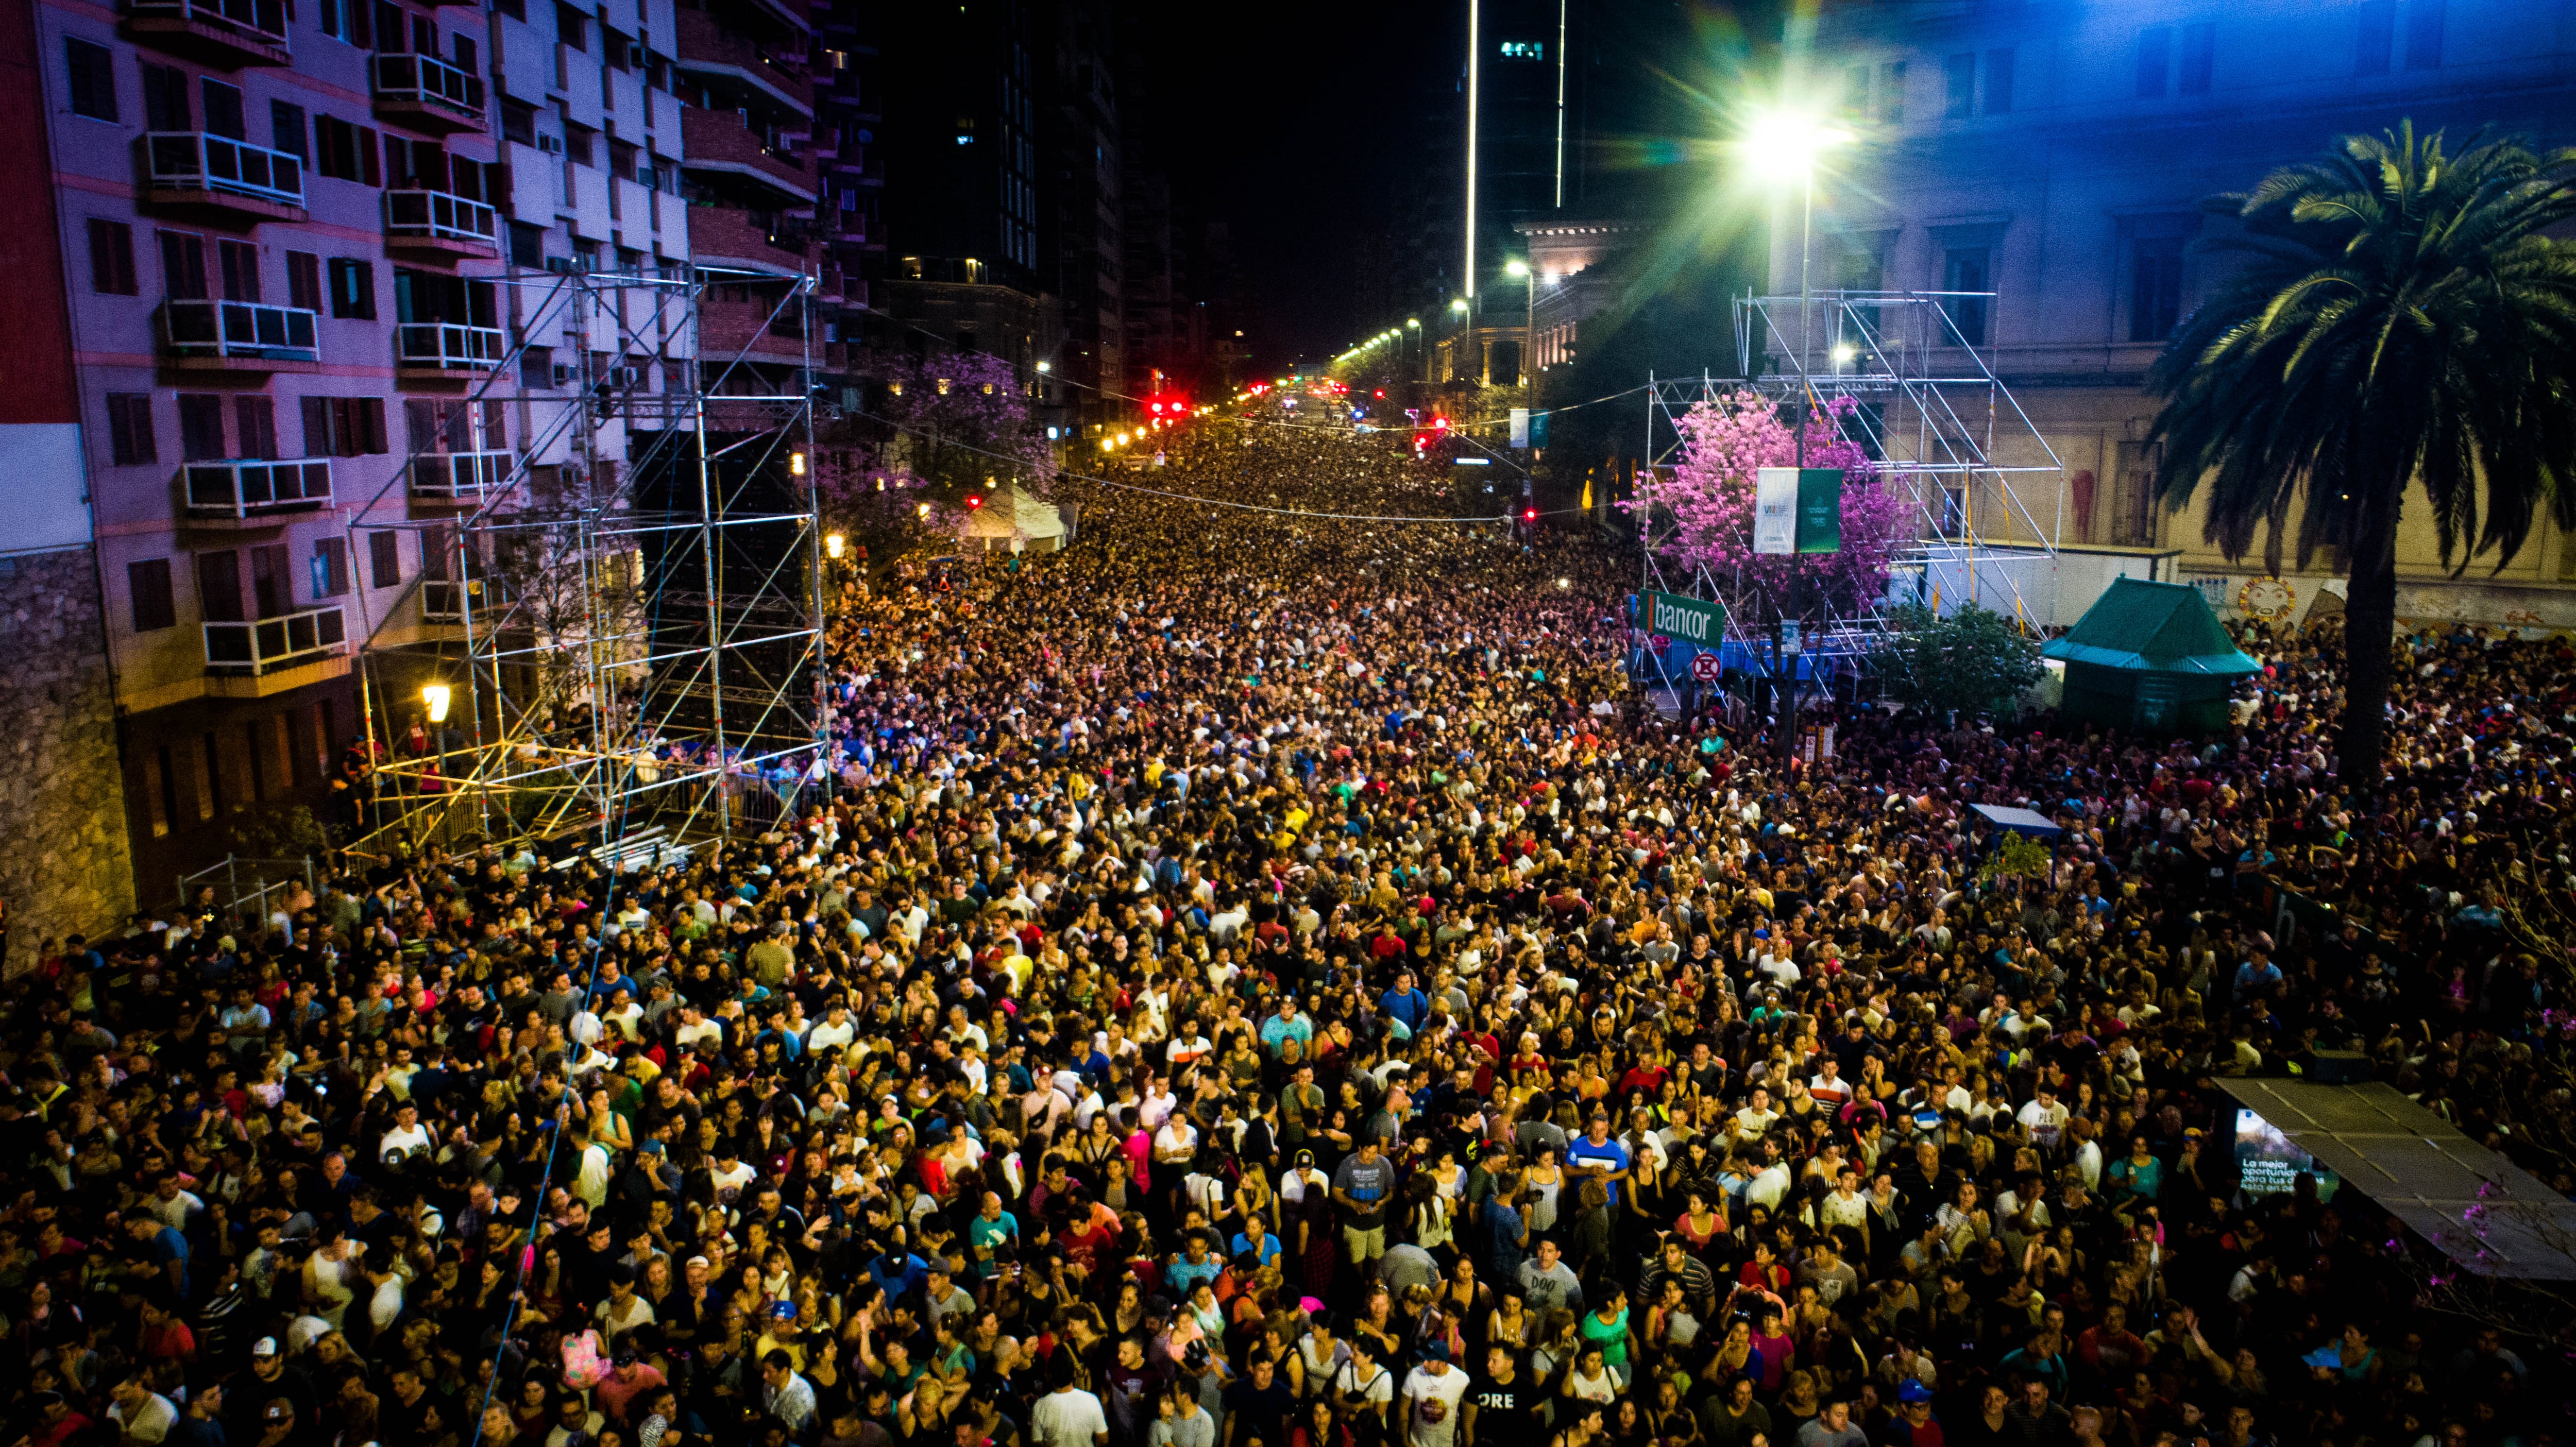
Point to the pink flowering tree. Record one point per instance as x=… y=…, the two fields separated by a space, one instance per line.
x=1709 y=499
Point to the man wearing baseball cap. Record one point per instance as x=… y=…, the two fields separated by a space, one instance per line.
x=1432 y=1393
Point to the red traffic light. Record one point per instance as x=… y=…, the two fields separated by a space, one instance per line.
x=1380 y=392
x=973 y=501
x=1529 y=514
x=1440 y=422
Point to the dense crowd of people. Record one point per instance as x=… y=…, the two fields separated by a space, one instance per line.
x=1265 y=977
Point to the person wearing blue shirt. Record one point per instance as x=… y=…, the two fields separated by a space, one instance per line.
x=1263 y=1252
x=899 y=1273
x=1595 y=1154
x=166 y=1249
x=1406 y=1003
x=1194 y=1265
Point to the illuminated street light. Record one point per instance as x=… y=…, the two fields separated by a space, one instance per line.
x=833 y=544
x=436 y=696
x=1783 y=144
x=1516 y=267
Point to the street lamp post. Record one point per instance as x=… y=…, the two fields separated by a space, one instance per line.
x=1784 y=145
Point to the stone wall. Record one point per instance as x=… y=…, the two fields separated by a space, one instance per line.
x=64 y=862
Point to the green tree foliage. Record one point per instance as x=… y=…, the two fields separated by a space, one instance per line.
x=2016 y=856
x=1974 y=660
x=2398 y=318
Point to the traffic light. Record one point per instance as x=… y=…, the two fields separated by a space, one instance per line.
x=1529 y=515
x=974 y=500
x=1381 y=392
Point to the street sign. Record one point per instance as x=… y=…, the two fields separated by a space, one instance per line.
x=1520 y=427
x=1688 y=619
x=1705 y=668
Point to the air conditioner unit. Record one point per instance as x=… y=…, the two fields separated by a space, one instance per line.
x=644 y=177
x=561 y=265
x=551 y=145
x=626 y=378
x=634 y=55
x=566 y=374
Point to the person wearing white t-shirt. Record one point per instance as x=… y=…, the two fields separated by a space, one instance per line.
x=1069 y=1417
x=1431 y=1397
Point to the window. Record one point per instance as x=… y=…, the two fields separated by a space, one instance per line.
x=2155 y=57
x=384 y=560
x=344 y=426
x=572 y=27
x=1999 y=81
x=518 y=122
x=272 y=581
x=219 y=598
x=2199 y=55
x=344 y=152
x=165 y=99
x=1891 y=93
x=129 y=429
x=160 y=796
x=183 y=265
x=111 y=257
x=255 y=422
x=1967 y=269
x=92 y=69
x=241 y=269
x=353 y=289
x=304 y=280
x=201 y=427
x=287 y=131
x=147 y=586
x=224 y=109
x=1959 y=86
x=2376 y=38
x=2155 y=287
x=2423 y=34
x=330 y=568
x=527 y=244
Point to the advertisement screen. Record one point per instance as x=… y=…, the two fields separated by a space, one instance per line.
x=2268 y=1162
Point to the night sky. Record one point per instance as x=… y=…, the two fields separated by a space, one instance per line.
x=1302 y=125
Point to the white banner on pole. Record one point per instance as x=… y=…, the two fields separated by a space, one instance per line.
x=1775 y=510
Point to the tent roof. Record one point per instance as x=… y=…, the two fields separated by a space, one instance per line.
x=2151 y=628
x=2019 y=821
x=2479 y=1208
x=1012 y=511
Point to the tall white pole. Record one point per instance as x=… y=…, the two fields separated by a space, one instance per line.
x=1560 y=103
x=1474 y=16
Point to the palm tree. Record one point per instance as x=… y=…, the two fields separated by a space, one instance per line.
x=2399 y=318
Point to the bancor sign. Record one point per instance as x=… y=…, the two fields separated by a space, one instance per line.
x=1686 y=619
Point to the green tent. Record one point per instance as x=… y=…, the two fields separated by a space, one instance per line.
x=2149 y=656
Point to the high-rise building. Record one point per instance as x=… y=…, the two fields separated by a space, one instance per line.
x=743 y=71
x=299 y=243
x=1083 y=163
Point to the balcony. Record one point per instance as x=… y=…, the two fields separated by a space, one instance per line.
x=460 y=477
x=250 y=492
x=718 y=142
x=435 y=222
x=445 y=602
x=270 y=645
x=428 y=94
x=730 y=236
x=240 y=336
x=446 y=351
x=222 y=34
x=200 y=169
x=708 y=49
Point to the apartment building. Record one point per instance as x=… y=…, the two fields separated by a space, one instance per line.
x=745 y=75
x=2055 y=155
x=314 y=259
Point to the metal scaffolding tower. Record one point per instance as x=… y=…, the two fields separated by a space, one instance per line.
x=621 y=613
x=1926 y=405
